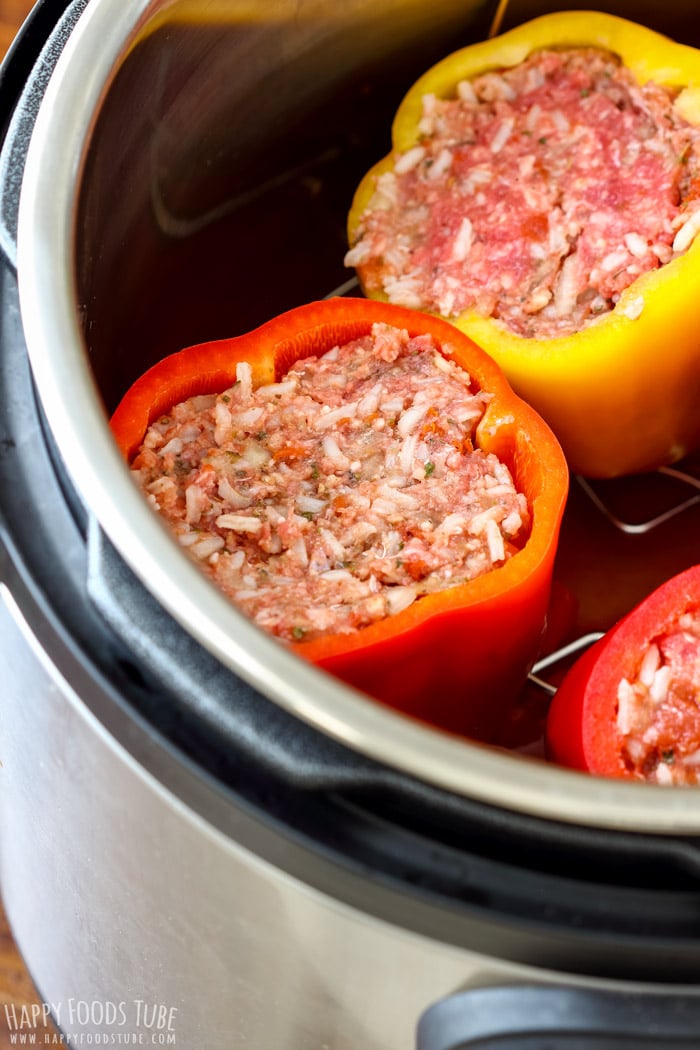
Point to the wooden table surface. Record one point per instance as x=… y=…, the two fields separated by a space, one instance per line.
x=12 y=14
x=16 y=988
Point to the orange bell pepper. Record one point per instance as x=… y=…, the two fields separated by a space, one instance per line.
x=621 y=394
x=456 y=658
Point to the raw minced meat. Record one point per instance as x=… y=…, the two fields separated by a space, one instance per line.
x=536 y=195
x=340 y=494
x=659 y=709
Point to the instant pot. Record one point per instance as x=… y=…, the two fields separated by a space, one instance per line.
x=205 y=841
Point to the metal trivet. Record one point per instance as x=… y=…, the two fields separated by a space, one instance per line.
x=641 y=527
x=558 y=656
x=675 y=504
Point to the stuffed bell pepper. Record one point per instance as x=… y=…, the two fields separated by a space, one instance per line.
x=543 y=195
x=630 y=707
x=361 y=481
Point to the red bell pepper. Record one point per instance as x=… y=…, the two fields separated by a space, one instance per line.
x=456 y=658
x=585 y=729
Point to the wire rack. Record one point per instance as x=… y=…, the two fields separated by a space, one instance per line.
x=668 y=492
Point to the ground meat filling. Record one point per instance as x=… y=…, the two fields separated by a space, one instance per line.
x=659 y=711
x=341 y=494
x=535 y=196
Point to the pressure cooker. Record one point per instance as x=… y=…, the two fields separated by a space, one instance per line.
x=206 y=841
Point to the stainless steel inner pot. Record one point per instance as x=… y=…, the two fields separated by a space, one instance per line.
x=188 y=177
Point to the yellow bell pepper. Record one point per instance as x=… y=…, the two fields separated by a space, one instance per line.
x=623 y=393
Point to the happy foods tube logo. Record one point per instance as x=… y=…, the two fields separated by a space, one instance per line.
x=134 y=1022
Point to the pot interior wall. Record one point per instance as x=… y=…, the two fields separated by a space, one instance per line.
x=224 y=160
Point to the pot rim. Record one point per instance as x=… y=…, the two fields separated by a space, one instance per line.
x=71 y=401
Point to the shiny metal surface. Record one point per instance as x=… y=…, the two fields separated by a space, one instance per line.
x=121 y=893
x=117 y=893
x=66 y=255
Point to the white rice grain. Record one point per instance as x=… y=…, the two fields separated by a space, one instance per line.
x=244 y=377
x=206 y=546
x=249 y=419
x=504 y=132
x=466 y=93
x=288 y=386
x=687 y=233
x=650 y=665
x=300 y=552
x=358 y=254
x=409 y=160
x=440 y=165
x=566 y=288
x=407 y=453
x=231 y=495
x=658 y=691
x=239 y=523
x=626 y=707
x=310 y=504
x=494 y=539
x=636 y=244
x=401 y=499
x=404 y=291
x=332 y=546
x=464 y=240
x=409 y=420
x=399 y=598
x=332 y=451
x=452 y=524
x=161 y=486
